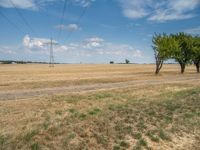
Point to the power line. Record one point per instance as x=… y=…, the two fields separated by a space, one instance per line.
x=22 y=17
x=78 y=21
x=12 y=23
x=62 y=18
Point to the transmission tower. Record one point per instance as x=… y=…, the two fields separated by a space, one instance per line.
x=51 y=61
x=51 y=57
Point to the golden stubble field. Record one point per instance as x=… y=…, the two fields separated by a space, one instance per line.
x=99 y=107
x=30 y=76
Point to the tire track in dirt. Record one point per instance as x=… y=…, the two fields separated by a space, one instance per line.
x=22 y=94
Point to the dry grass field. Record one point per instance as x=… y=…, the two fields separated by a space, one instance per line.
x=94 y=107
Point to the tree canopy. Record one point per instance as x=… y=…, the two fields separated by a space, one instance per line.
x=181 y=47
x=163 y=46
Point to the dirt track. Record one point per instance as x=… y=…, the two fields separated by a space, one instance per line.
x=22 y=94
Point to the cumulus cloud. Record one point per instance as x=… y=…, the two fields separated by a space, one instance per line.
x=93 y=42
x=160 y=11
x=36 y=42
x=92 y=49
x=97 y=47
x=89 y=47
x=69 y=27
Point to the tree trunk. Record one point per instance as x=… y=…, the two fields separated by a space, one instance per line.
x=182 y=68
x=158 y=66
x=157 y=70
x=197 y=66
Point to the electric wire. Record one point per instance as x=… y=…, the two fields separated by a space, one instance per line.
x=22 y=17
x=12 y=23
x=78 y=21
x=62 y=18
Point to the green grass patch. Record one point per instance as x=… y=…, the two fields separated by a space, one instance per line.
x=163 y=135
x=71 y=136
x=94 y=111
x=102 y=95
x=137 y=135
x=3 y=140
x=152 y=136
x=82 y=116
x=142 y=142
x=28 y=136
x=72 y=110
x=116 y=147
x=35 y=146
x=46 y=122
x=124 y=144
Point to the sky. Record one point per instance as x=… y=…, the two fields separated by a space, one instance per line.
x=91 y=31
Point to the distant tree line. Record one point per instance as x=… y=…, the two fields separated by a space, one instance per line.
x=126 y=62
x=182 y=47
x=19 y=62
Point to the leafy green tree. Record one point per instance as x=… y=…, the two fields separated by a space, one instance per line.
x=111 y=62
x=127 y=61
x=183 y=53
x=196 y=52
x=163 y=45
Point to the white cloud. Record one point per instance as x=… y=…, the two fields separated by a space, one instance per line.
x=7 y=50
x=94 y=39
x=93 y=42
x=94 y=49
x=120 y=50
x=162 y=16
x=134 y=9
x=183 y=5
x=36 y=4
x=35 y=45
x=36 y=42
x=160 y=11
x=83 y=3
x=193 y=31
x=89 y=47
x=24 y=4
x=175 y=10
x=138 y=53
x=69 y=27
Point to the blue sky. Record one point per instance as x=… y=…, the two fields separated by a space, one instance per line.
x=91 y=31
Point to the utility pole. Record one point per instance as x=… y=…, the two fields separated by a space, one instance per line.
x=51 y=57
x=51 y=61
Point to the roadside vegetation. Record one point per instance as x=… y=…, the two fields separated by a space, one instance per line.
x=159 y=117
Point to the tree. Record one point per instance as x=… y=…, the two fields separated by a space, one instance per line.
x=163 y=46
x=183 y=53
x=196 y=52
x=127 y=61
x=111 y=62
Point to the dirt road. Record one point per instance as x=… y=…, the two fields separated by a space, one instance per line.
x=23 y=94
